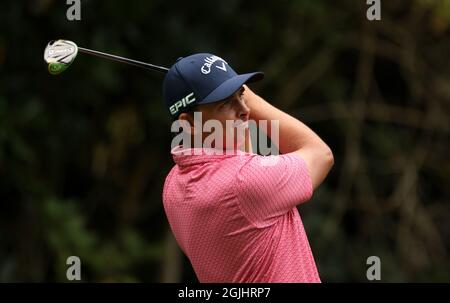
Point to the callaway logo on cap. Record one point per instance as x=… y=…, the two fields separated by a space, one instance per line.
x=201 y=79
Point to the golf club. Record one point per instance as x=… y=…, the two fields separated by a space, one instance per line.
x=59 y=55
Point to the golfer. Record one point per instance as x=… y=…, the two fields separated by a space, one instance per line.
x=234 y=214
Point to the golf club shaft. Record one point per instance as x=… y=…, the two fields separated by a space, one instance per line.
x=123 y=60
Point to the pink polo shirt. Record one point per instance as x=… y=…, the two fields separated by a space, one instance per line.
x=235 y=216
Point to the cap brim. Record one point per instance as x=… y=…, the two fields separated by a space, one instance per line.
x=230 y=86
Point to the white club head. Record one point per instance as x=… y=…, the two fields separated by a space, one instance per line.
x=59 y=54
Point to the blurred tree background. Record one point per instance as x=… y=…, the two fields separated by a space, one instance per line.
x=83 y=155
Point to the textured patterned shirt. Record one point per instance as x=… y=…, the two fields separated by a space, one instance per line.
x=235 y=216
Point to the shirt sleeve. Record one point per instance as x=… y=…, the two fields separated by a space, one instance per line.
x=269 y=187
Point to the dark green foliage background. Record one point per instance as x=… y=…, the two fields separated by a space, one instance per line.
x=83 y=155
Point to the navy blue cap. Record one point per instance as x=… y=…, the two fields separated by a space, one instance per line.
x=201 y=79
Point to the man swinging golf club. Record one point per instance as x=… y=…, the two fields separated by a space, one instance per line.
x=234 y=216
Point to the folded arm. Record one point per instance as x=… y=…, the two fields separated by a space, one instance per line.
x=294 y=137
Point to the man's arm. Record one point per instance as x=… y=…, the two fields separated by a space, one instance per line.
x=294 y=137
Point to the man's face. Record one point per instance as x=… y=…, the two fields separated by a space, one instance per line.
x=233 y=109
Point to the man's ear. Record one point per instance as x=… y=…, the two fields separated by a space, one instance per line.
x=190 y=119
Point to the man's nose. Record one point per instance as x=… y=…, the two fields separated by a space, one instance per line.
x=244 y=111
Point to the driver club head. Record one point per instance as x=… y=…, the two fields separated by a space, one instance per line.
x=59 y=54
